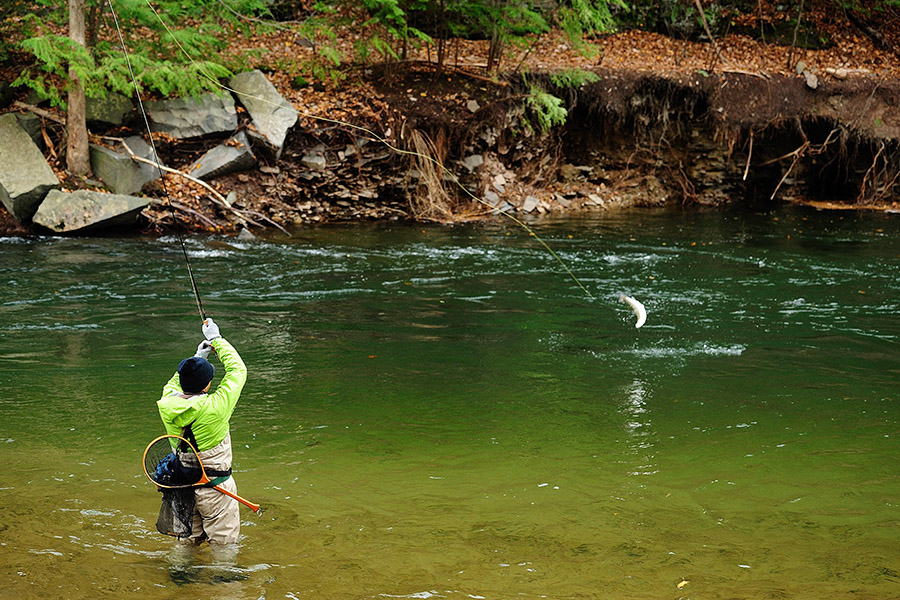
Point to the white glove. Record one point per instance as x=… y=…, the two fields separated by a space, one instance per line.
x=203 y=349
x=210 y=329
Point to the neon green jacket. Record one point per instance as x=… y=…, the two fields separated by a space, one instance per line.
x=209 y=413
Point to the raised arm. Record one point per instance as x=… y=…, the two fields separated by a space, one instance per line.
x=229 y=389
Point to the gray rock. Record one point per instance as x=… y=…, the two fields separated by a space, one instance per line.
x=272 y=115
x=83 y=210
x=530 y=204
x=314 y=161
x=121 y=174
x=472 y=162
x=799 y=67
x=31 y=123
x=191 y=117
x=491 y=198
x=812 y=82
x=25 y=177
x=489 y=136
x=231 y=157
x=472 y=105
x=505 y=206
x=35 y=99
x=108 y=111
x=246 y=235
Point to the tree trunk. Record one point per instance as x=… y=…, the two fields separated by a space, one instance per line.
x=790 y=64
x=77 y=155
x=93 y=23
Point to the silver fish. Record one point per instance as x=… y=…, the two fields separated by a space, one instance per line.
x=638 y=308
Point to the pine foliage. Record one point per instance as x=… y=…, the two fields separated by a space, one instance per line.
x=180 y=55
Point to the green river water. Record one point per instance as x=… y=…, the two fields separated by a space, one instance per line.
x=443 y=413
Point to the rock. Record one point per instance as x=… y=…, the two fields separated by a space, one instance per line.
x=490 y=136
x=246 y=235
x=472 y=105
x=812 y=82
x=505 y=206
x=472 y=162
x=530 y=204
x=799 y=67
x=35 y=99
x=31 y=123
x=491 y=198
x=121 y=174
x=108 y=111
x=83 y=210
x=499 y=179
x=25 y=177
x=191 y=117
x=272 y=115
x=314 y=161
x=844 y=73
x=233 y=156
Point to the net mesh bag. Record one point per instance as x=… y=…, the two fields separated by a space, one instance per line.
x=174 y=473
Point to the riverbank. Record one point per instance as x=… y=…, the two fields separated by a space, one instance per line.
x=664 y=121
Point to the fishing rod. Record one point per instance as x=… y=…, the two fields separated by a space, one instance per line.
x=187 y=261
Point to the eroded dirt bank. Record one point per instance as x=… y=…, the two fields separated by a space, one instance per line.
x=630 y=138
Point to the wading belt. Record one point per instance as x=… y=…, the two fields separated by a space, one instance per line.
x=216 y=477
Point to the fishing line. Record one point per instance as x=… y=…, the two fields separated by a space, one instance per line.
x=137 y=93
x=380 y=139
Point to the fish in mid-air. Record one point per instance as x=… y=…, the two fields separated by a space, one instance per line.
x=638 y=308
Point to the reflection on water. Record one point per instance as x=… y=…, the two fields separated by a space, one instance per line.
x=439 y=413
x=210 y=564
x=639 y=427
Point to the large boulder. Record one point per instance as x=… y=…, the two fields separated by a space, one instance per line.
x=119 y=172
x=83 y=210
x=272 y=115
x=108 y=111
x=191 y=117
x=25 y=177
x=232 y=156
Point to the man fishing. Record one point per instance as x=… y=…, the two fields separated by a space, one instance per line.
x=189 y=410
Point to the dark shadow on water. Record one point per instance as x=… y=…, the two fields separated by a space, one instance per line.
x=189 y=564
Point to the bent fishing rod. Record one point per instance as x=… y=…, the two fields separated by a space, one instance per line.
x=178 y=232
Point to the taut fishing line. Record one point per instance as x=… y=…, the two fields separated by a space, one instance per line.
x=137 y=93
x=368 y=132
x=376 y=137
